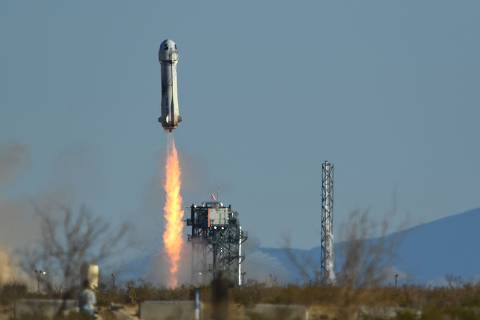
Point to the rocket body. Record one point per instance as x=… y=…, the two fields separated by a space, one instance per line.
x=170 y=113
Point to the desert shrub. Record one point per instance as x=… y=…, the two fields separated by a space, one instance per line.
x=431 y=313
x=106 y=297
x=462 y=313
x=249 y=295
x=32 y=317
x=74 y=316
x=406 y=315
x=11 y=292
x=71 y=316
x=139 y=291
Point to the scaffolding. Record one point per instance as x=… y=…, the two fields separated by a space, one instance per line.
x=216 y=238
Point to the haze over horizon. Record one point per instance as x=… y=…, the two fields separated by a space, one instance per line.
x=268 y=91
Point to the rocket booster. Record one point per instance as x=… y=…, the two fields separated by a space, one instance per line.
x=168 y=57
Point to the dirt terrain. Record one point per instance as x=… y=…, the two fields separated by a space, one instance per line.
x=5 y=313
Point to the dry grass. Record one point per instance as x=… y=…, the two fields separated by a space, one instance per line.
x=447 y=303
x=360 y=289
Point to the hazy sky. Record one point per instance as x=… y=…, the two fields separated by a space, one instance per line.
x=388 y=91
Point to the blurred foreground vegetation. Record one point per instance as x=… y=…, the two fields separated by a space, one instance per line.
x=360 y=292
x=410 y=302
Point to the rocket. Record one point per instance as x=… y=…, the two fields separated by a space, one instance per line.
x=168 y=57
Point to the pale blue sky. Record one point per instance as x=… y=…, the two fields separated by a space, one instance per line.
x=388 y=91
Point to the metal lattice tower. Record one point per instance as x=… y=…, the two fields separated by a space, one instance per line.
x=217 y=237
x=327 y=270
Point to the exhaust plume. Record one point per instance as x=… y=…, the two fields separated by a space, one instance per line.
x=173 y=213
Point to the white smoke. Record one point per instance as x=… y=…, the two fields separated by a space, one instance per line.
x=10 y=270
x=13 y=157
x=19 y=225
x=159 y=273
x=262 y=267
x=258 y=266
x=16 y=227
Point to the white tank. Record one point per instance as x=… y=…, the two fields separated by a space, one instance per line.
x=90 y=273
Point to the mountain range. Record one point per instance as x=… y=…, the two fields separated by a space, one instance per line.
x=424 y=254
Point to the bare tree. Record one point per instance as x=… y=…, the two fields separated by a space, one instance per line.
x=366 y=265
x=366 y=259
x=365 y=262
x=306 y=265
x=70 y=238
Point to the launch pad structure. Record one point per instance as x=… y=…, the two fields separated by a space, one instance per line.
x=327 y=268
x=216 y=238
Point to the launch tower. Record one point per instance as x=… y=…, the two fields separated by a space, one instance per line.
x=216 y=238
x=327 y=270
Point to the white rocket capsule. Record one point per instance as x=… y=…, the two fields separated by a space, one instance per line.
x=168 y=57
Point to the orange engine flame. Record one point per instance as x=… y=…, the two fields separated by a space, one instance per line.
x=173 y=212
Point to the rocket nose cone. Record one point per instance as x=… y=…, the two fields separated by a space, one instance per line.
x=168 y=50
x=167 y=43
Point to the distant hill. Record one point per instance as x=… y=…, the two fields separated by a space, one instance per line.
x=425 y=254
